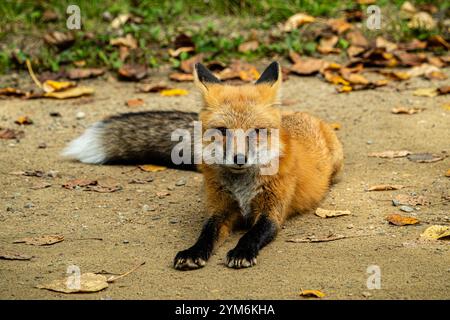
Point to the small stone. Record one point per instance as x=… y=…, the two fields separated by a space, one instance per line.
x=42 y=145
x=147 y=208
x=406 y=209
x=366 y=294
x=80 y=115
x=173 y=221
x=125 y=241
x=369 y=142
x=28 y=205
x=350 y=226
x=170 y=188
x=180 y=182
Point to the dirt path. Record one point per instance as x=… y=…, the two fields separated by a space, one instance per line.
x=409 y=268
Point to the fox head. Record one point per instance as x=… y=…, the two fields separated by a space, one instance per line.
x=248 y=111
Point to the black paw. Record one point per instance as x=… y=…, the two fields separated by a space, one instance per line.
x=241 y=258
x=190 y=259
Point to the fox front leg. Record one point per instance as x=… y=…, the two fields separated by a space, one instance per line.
x=215 y=229
x=245 y=252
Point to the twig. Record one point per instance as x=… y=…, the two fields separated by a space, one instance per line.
x=114 y=278
x=32 y=75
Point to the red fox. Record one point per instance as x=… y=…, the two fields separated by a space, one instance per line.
x=308 y=151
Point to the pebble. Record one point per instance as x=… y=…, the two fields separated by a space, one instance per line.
x=406 y=209
x=174 y=221
x=366 y=294
x=180 y=182
x=147 y=208
x=28 y=205
x=42 y=145
x=80 y=115
x=125 y=241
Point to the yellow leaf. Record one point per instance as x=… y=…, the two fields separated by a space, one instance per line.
x=446 y=106
x=344 y=89
x=70 y=93
x=297 y=20
x=52 y=86
x=174 y=92
x=152 y=168
x=331 y=213
x=426 y=92
x=312 y=293
x=447 y=174
x=436 y=232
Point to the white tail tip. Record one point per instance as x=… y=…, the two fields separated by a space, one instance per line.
x=88 y=147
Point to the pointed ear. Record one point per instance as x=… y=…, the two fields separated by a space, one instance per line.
x=272 y=75
x=203 y=77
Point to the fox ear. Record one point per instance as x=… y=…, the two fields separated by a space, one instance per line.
x=272 y=74
x=203 y=77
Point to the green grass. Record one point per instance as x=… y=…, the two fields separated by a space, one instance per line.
x=216 y=27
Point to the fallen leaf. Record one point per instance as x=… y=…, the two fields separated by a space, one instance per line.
x=78 y=183
x=436 y=75
x=381 y=42
x=53 y=86
x=127 y=41
x=248 y=46
x=62 y=40
x=400 y=220
x=88 y=282
x=141 y=181
x=152 y=87
x=308 y=66
x=133 y=71
x=312 y=293
x=334 y=78
x=175 y=53
x=36 y=173
x=423 y=70
x=70 y=93
x=327 y=45
x=133 y=103
x=385 y=187
x=409 y=59
x=390 y=154
x=426 y=92
x=6 y=133
x=436 y=232
x=339 y=25
x=422 y=20
x=354 y=51
x=404 y=199
x=14 y=256
x=444 y=90
x=354 y=78
x=174 y=92
x=404 y=110
x=102 y=188
x=323 y=213
x=447 y=174
x=356 y=38
x=23 y=120
x=297 y=20
x=12 y=92
x=152 y=168
x=425 y=157
x=84 y=73
x=178 y=76
x=44 y=240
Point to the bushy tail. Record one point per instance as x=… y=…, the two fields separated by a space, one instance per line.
x=142 y=137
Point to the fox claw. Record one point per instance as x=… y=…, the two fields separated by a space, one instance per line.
x=239 y=258
x=189 y=260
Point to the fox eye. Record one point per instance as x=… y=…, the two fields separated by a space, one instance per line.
x=222 y=130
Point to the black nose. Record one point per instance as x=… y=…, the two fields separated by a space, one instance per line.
x=240 y=159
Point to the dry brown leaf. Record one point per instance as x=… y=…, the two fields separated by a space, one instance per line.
x=134 y=103
x=409 y=59
x=89 y=282
x=120 y=20
x=175 y=53
x=408 y=200
x=396 y=75
x=152 y=87
x=297 y=20
x=127 y=41
x=356 y=38
x=447 y=174
x=308 y=66
x=422 y=70
x=444 y=90
x=23 y=120
x=44 y=240
x=84 y=73
x=354 y=51
x=61 y=40
x=312 y=293
x=334 y=78
x=323 y=213
x=339 y=25
x=40 y=185
x=400 y=220
x=133 y=71
x=327 y=45
x=405 y=110
x=354 y=78
x=103 y=188
x=385 y=187
x=152 y=168
x=390 y=154
x=436 y=61
x=6 y=133
x=177 y=76
x=436 y=75
x=248 y=46
x=436 y=232
x=78 y=183
x=70 y=93
x=12 y=92
x=14 y=256
x=381 y=42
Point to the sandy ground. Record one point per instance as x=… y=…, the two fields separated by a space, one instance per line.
x=410 y=269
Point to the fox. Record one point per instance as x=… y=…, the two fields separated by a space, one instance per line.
x=238 y=194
